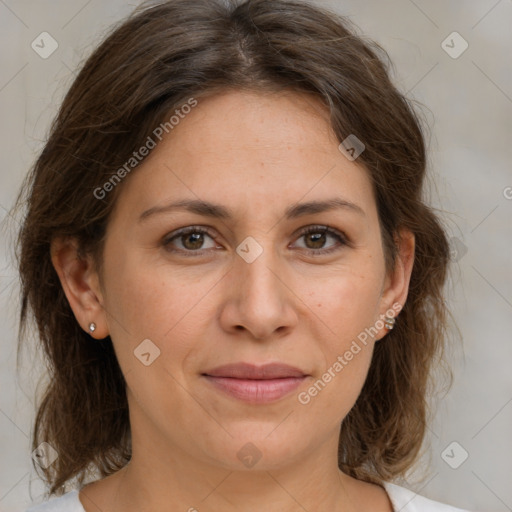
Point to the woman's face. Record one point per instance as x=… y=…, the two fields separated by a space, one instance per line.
x=245 y=284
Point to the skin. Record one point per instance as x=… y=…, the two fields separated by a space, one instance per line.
x=256 y=154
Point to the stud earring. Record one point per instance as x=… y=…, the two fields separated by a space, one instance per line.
x=92 y=327
x=389 y=322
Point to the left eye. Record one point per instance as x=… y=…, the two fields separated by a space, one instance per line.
x=317 y=235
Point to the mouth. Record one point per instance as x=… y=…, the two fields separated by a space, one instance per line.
x=256 y=384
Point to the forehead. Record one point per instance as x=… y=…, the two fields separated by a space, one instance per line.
x=270 y=124
x=244 y=148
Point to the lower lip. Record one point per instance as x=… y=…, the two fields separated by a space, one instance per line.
x=256 y=391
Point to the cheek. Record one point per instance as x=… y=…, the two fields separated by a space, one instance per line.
x=348 y=303
x=148 y=301
x=142 y=298
x=150 y=331
x=347 y=357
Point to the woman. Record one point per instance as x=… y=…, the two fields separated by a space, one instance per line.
x=236 y=281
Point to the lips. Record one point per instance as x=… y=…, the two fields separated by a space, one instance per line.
x=250 y=371
x=256 y=384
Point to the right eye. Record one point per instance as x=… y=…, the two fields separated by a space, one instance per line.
x=191 y=240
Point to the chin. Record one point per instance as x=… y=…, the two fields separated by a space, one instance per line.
x=254 y=449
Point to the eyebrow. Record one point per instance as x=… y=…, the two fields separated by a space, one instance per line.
x=208 y=209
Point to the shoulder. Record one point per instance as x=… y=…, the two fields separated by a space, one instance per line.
x=406 y=500
x=68 y=502
x=402 y=499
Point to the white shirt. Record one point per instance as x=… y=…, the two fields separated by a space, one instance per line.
x=403 y=500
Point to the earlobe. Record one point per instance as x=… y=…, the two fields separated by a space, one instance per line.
x=80 y=283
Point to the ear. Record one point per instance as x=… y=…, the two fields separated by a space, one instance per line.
x=396 y=284
x=81 y=284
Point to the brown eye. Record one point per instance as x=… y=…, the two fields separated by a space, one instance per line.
x=317 y=240
x=316 y=237
x=191 y=240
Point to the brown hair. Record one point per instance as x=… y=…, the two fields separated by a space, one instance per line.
x=148 y=66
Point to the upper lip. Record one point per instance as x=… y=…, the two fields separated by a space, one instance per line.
x=251 y=371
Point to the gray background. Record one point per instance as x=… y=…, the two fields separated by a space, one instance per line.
x=469 y=100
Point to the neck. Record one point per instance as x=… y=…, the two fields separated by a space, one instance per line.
x=156 y=482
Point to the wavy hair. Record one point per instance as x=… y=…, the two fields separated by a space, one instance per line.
x=146 y=67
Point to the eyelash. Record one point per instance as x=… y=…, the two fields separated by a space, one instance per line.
x=341 y=237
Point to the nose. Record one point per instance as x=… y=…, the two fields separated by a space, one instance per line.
x=258 y=298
